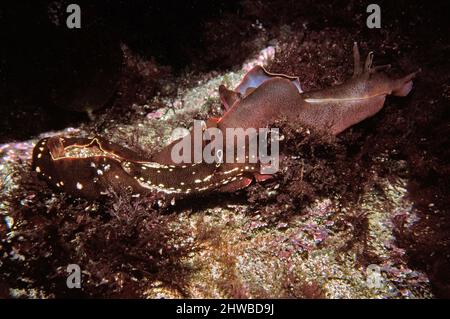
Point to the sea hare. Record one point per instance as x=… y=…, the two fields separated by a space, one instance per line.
x=90 y=167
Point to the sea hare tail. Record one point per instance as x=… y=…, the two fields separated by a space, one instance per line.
x=404 y=85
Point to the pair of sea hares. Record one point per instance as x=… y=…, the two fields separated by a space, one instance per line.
x=90 y=167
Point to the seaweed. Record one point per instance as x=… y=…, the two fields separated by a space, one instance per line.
x=120 y=244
